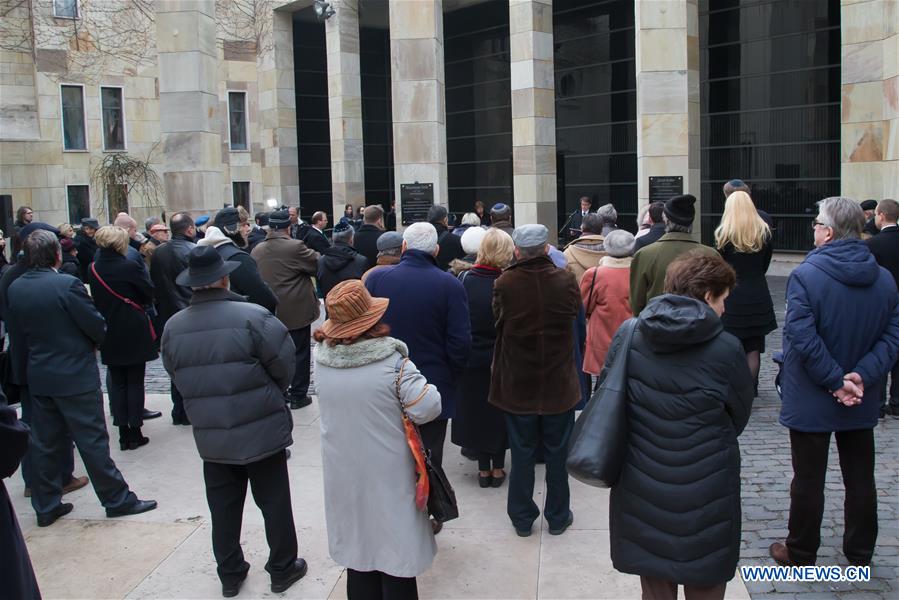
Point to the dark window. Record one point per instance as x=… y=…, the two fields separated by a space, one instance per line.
x=79 y=202
x=313 y=132
x=117 y=197
x=596 y=106
x=240 y=192
x=65 y=9
x=237 y=119
x=770 y=101
x=478 y=105
x=113 y=118
x=377 y=116
x=74 y=135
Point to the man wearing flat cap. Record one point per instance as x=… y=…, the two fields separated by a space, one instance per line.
x=651 y=262
x=87 y=247
x=342 y=261
x=870 y=228
x=288 y=266
x=232 y=360
x=390 y=248
x=534 y=380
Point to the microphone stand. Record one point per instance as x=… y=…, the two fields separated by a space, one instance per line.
x=567 y=221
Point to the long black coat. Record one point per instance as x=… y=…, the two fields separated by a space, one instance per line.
x=339 y=263
x=450 y=247
x=748 y=310
x=87 y=248
x=245 y=279
x=885 y=248
x=18 y=349
x=477 y=424
x=675 y=511
x=61 y=328
x=169 y=259
x=16 y=572
x=128 y=340
x=366 y=242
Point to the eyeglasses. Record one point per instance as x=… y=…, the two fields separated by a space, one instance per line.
x=817 y=223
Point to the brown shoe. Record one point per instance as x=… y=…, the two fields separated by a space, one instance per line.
x=76 y=484
x=28 y=492
x=780 y=554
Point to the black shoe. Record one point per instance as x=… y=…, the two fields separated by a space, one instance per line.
x=51 y=517
x=229 y=590
x=293 y=575
x=523 y=532
x=297 y=402
x=141 y=506
x=180 y=420
x=151 y=414
x=498 y=481
x=566 y=525
x=484 y=480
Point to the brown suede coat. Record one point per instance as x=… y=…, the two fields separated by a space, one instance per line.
x=535 y=305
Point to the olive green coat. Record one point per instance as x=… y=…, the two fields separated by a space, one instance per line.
x=651 y=262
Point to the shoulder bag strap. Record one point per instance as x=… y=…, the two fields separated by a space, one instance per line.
x=590 y=297
x=127 y=301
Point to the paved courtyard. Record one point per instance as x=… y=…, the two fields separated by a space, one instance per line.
x=167 y=553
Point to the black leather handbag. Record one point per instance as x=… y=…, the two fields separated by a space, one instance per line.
x=599 y=440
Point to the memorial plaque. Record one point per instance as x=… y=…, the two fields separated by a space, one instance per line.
x=662 y=188
x=416 y=199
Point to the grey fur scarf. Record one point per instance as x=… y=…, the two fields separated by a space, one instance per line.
x=359 y=354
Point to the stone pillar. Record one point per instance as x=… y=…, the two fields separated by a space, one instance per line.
x=188 y=105
x=869 y=122
x=278 y=114
x=667 y=57
x=418 y=85
x=345 y=107
x=533 y=113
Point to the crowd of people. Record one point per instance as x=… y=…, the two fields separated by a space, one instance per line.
x=485 y=325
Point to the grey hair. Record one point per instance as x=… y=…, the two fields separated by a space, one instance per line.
x=619 y=243
x=592 y=223
x=344 y=236
x=395 y=251
x=533 y=252
x=421 y=236
x=42 y=249
x=608 y=213
x=844 y=215
x=471 y=219
x=150 y=222
x=672 y=227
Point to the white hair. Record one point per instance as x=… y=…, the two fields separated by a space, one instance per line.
x=472 y=238
x=421 y=236
x=471 y=219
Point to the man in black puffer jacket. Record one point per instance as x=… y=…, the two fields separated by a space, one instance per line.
x=232 y=360
x=341 y=261
x=674 y=514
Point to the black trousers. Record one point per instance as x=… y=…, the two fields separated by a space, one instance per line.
x=82 y=417
x=485 y=460
x=178 y=413
x=125 y=385
x=856 y=449
x=433 y=436
x=226 y=491
x=527 y=433
x=66 y=459
x=299 y=387
x=375 y=585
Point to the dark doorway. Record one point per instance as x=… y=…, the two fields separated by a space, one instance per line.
x=377 y=115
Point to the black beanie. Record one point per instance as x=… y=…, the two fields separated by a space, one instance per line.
x=680 y=209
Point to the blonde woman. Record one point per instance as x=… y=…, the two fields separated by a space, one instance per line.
x=479 y=426
x=66 y=230
x=744 y=241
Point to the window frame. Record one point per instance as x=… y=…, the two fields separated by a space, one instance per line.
x=75 y=18
x=246 y=122
x=109 y=214
x=62 y=118
x=124 y=147
x=249 y=194
x=68 y=207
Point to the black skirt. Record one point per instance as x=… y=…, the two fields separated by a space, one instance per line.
x=478 y=426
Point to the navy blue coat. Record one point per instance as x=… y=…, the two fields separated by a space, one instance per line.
x=842 y=316
x=61 y=328
x=429 y=312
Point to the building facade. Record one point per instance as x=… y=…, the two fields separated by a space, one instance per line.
x=534 y=103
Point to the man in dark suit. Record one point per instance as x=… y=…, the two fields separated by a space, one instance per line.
x=577 y=219
x=656 y=231
x=885 y=248
x=63 y=328
x=87 y=247
x=450 y=246
x=366 y=238
x=314 y=234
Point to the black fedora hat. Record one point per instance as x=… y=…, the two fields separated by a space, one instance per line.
x=204 y=266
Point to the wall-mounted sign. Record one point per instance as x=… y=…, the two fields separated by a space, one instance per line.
x=661 y=188
x=416 y=199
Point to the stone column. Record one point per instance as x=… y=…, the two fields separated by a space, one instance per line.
x=188 y=105
x=419 y=107
x=533 y=113
x=869 y=122
x=667 y=57
x=345 y=107
x=277 y=113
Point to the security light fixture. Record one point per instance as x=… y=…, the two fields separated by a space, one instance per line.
x=272 y=203
x=323 y=10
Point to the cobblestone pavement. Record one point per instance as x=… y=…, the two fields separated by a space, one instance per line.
x=766 y=475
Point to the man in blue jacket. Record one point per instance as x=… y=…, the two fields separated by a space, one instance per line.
x=429 y=312
x=840 y=339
